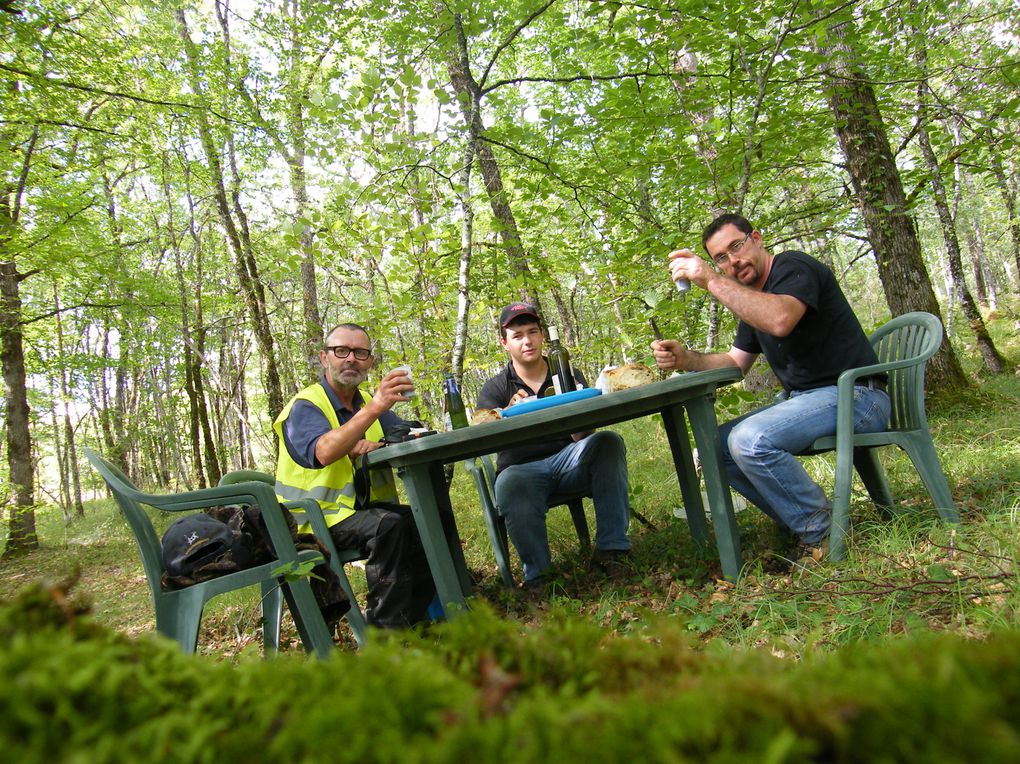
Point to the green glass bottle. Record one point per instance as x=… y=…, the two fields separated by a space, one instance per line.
x=559 y=364
x=455 y=414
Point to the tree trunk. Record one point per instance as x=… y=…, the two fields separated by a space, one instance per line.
x=1008 y=192
x=191 y=368
x=21 y=513
x=296 y=98
x=235 y=227
x=64 y=487
x=112 y=405
x=470 y=98
x=21 y=535
x=464 y=265
x=70 y=477
x=191 y=365
x=994 y=362
x=876 y=181
x=988 y=293
x=120 y=442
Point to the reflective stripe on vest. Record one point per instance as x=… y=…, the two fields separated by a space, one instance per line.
x=332 y=486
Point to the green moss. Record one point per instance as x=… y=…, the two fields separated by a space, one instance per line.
x=483 y=689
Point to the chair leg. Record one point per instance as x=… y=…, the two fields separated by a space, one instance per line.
x=873 y=476
x=181 y=622
x=841 y=504
x=580 y=525
x=272 y=611
x=501 y=549
x=355 y=618
x=308 y=618
x=926 y=461
x=484 y=474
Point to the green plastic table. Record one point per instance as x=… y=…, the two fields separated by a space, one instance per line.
x=693 y=392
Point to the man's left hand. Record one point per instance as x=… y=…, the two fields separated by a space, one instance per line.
x=363 y=447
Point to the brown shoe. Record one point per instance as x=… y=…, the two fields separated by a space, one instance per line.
x=811 y=554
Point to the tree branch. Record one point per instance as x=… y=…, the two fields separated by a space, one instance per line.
x=576 y=78
x=508 y=40
x=41 y=79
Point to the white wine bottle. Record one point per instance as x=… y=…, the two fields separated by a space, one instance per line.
x=559 y=364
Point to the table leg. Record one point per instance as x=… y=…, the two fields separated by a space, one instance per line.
x=421 y=492
x=686 y=475
x=701 y=412
x=437 y=475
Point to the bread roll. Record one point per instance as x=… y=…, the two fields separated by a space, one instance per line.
x=630 y=375
x=485 y=415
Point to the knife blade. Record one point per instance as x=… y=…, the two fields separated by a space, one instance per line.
x=655 y=329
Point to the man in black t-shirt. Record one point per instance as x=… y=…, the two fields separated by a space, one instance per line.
x=529 y=476
x=790 y=308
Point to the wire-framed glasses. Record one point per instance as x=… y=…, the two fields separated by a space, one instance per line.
x=723 y=257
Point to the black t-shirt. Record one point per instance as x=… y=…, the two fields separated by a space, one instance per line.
x=496 y=394
x=827 y=340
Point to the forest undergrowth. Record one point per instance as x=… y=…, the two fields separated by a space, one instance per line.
x=902 y=574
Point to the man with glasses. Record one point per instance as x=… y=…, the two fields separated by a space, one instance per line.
x=791 y=308
x=322 y=432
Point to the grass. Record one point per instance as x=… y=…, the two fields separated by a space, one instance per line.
x=903 y=574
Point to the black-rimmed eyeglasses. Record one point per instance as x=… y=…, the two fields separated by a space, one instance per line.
x=722 y=258
x=342 y=351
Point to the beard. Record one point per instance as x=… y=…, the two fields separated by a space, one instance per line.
x=346 y=378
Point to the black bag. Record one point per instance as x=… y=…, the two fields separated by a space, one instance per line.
x=227 y=539
x=197 y=541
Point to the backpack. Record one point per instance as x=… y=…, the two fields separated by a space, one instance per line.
x=227 y=539
x=195 y=541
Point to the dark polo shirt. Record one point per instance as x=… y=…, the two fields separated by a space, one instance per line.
x=496 y=394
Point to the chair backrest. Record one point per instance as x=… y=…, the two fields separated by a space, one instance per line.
x=912 y=338
x=490 y=472
x=243 y=476
x=129 y=499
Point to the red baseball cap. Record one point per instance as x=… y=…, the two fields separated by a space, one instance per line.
x=516 y=310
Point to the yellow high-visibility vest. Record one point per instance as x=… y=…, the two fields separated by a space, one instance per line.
x=331 y=486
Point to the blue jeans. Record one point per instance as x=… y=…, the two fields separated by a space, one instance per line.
x=759 y=448
x=595 y=466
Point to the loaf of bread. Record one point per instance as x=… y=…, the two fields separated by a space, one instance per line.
x=627 y=376
x=485 y=415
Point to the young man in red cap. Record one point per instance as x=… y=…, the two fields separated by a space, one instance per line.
x=528 y=477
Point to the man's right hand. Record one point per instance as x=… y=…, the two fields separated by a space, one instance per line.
x=667 y=354
x=391 y=390
x=517 y=397
x=685 y=264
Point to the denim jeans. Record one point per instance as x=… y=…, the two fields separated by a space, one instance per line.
x=595 y=466
x=759 y=448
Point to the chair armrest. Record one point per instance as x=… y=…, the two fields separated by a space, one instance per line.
x=239 y=493
x=315 y=517
x=317 y=520
x=850 y=376
x=845 y=394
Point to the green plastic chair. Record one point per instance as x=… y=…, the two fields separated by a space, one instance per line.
x=484 y=473
x=903 y=347
x=179 y=612
x=338 y=558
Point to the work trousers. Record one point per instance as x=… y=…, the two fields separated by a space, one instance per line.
x=400 y=585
